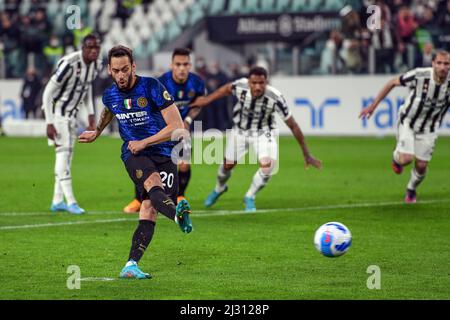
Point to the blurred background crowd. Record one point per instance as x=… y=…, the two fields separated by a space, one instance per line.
x=34 y=36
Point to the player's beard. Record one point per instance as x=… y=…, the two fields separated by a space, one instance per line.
x=128 y=84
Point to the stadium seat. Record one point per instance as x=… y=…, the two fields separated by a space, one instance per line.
x=235 y=7
x=173 y=30
x=183 y=18
x=282 y=5
x=197 y=13
x=252 y=6
x=216 y=7
x=152 y=46
x=53 y=8
x=267 y=6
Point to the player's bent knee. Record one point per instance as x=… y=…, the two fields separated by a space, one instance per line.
x=153 y=181
x=229 y=166
x=267 y=165
x=406 y=158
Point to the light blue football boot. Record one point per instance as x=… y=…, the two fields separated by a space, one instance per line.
x=214 y=196
x=182 y=216
x=249 y=204
x=132 y=271
x=75 y=209
x=55 y=207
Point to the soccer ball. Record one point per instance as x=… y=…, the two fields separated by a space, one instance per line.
x=333 y=239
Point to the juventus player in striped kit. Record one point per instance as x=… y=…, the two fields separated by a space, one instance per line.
x=420 y=117
x=254 y=123
x=69 y=88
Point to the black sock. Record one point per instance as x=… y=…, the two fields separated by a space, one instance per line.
x=137 y=195
x=183 y=180
x=162 y=203
x=141 y=239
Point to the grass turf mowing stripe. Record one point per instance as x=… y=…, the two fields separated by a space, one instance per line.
x=204 y=213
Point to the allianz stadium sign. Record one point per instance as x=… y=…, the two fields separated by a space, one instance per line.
x=286 y=27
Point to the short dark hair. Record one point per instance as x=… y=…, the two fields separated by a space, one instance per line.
x=91 y=36
x=440 y=52
x=181 y=52
x=257 y=71
x=120 y=51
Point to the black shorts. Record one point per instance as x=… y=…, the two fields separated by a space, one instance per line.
x=139 y=168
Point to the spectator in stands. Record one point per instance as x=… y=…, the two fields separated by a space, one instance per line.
x=443 y=23
x=383 y=42
x=406 y=26
x=30 y=91
x=52 y=52
x=200 y=67
x=424 y=57
x=235 y=72
x=9 y=32
x=353 y=51
x=68 y=43
x=332 y=61
x=218 y=118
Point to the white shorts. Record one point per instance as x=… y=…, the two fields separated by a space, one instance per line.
x=421 y=145
x=238 y=142
x=66 y=130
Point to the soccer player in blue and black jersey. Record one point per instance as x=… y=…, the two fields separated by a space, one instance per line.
x=148 y=118
x=185 y=87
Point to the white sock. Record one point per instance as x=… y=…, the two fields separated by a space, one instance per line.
x=259 y=181
x=415 y=180
x=130 y=263
x=222 y=178
x=58 y=195
x=62 y=170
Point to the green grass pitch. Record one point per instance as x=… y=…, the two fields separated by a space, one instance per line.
x=229 y=255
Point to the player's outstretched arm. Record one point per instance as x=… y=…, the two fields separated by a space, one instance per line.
x=223 y=91
x=90 y=136
x=298 y=134
x=174 y=123
x=367 y=112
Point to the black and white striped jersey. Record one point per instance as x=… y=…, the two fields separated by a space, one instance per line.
x=257 y=114
x=70 y=86
x=427 y=103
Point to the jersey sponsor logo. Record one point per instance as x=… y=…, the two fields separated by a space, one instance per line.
x=128 y=103
x=167 y=96
x=133 y=115
x=142 y=102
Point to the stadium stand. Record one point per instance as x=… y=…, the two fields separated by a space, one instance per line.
x=149 y=26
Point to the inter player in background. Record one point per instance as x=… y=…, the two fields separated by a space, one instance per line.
x=420 y=117
x=185 y=87
x=254 y=123
x=68 y=89
x=147 y=118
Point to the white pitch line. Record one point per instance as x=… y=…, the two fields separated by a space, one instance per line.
x=92 y=279
x=210 y=213
x=58 y=224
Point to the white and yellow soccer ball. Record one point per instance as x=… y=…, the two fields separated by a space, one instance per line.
x=333 y=239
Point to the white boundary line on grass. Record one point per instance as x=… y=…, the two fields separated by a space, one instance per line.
x=200 y=213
